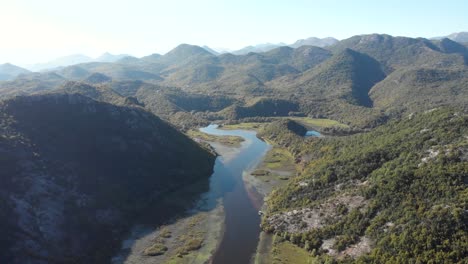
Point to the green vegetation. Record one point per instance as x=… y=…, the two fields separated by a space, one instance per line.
x=231 y=141
x=350 y=82
x=389 y=186
x=279 y=158
x=165 y=232
x=94 y=167
x=318 y=123
x=243 y=126
x=396 y=194
x=286 y=134
x=155 y=250
x=284 y=252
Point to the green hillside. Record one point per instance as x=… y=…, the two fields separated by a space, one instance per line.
x=76 y=173
x=395 y=194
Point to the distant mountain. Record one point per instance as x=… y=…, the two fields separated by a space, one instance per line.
x=212 y=51
x=257 y=48
x=415 y=88
x=96 y=78
x=461 y=37
x=60 y=62
x=107 y=57
x=336 y=82
x=313 y=41
x=9 y=71
x=184 y=53
x=77 y=172
x=348 y=75
x=394 y=52
x=74 y=59
x=30 y=83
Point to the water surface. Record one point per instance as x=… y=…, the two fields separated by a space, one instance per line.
x=242 y=222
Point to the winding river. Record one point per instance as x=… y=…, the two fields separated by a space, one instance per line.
x=242 y=222
x=227 y=193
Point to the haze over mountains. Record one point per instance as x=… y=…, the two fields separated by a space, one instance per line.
x=461 y=37
x=9 y=71
x=73 y=59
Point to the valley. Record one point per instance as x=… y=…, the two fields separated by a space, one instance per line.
x=354 y=151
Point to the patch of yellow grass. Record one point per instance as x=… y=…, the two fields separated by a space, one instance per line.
x=244 y=126
x=318 y=122
x=231 y=141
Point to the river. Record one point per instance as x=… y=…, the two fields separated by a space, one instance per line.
x=227 y=199
x=242 y=222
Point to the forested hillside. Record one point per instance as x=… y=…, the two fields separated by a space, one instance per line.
x=361 y=81
x=77 y=172
x=396 y=194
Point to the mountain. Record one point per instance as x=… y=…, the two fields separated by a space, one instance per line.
x=96 y=78
x=348 y=75
x=242 y=74
x=185 y=53
x=257 y=48
x=394 y=52
x=74 y=59
x=107 y=57
x=335 y=82
x=313 y=41
x=411 y=89
x=60 y=62
x=212 y=51
x=100 y=93
x=30 y=83
x=117 y=70
x=76 y=173
x=461 y=37
x=9 y=71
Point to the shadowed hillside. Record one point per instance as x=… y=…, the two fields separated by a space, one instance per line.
x=76 y=173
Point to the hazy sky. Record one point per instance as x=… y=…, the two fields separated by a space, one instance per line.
x=39 y=30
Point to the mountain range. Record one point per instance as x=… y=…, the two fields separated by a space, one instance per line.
x=461 y=37
x=91 y=148
x=312 y=41
x=373 y=74
x=73 y=59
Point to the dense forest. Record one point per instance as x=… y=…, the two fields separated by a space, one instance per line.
x=400 y=189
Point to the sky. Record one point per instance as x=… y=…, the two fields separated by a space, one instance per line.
x=33 y=31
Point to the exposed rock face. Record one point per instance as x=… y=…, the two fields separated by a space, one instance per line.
x=76 y=172
x=306 y=219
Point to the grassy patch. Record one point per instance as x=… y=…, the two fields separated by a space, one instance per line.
x=165 y=233
x=279 y=158
x=231 y=141
x=318 y=122
x=244 y=126
x=155 y=250
x=285 y=252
